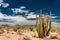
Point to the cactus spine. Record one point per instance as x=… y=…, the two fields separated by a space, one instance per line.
x=43 y=25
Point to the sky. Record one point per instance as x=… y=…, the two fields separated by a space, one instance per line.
x=24 y=12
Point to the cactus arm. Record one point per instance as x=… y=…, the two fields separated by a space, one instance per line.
x=49 y=25
x=36 y=21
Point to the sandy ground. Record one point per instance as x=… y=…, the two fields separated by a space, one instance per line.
x=21 y=35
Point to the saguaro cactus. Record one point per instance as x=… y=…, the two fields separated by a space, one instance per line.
x=43 y=25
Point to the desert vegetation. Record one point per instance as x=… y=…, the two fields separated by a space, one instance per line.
x=43 y=25
x=42 y=30
x=28 y=32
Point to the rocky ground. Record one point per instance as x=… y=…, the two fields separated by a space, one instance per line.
x=23 y=35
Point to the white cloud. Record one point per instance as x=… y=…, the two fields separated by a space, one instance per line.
x=31 y=15
x=19 y=10
x=1 y=1
x=15 y=20
x=4 y=23
x=56 y=24
x=2 y=15
x=3 y=4
x=21 y=20
x=54 y=16
x=22 y=7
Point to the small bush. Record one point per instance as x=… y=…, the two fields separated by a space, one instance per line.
x=17 y=26
x=31 y=28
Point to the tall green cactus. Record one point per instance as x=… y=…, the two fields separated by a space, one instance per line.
x=43 y=25
x=39 y=25
x=46 y=23
x=49 y=26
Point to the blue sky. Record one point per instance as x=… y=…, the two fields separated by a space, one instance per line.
x=24 y=11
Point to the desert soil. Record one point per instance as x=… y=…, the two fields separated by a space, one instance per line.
x=21 y=35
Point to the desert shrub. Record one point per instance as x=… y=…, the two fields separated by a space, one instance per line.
x=17 y=26
x=31 y=27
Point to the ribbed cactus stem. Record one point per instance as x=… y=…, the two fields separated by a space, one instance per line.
x=49 y=27
x=36 y=21
x=46 y=23
x=42 y=26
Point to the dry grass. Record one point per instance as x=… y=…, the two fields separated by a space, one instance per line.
x=30 y=27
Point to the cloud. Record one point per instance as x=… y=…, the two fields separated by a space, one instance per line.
x=54 y=17
x=8 y=23
x=15 y=20
x=3 y=4
x=12 y=20
x=19 y=10
x=22 y=7
x=55 y=24
x=31 y=15
x=1 y=1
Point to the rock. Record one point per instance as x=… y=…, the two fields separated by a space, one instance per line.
x=53 y=35
x=26 y=38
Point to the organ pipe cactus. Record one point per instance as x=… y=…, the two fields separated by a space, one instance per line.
x=49 y=26
x=43 y=25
